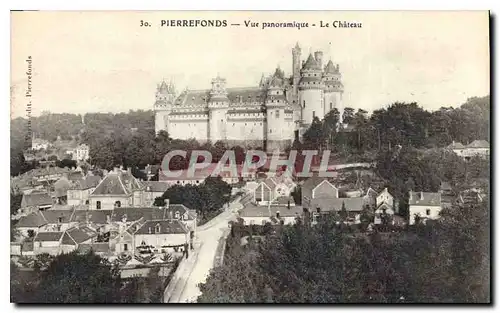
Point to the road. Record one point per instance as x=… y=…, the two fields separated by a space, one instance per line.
x=202 y=259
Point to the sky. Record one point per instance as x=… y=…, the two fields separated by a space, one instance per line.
x=106 y=62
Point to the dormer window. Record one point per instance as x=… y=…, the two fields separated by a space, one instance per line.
x=177 y=215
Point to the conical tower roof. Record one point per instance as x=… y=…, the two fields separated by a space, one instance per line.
x=330 y=68
x=311 y=63
x=163 y=86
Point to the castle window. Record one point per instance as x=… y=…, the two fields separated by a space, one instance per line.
x=277 y=113
x=304 y=105
x=331 y=105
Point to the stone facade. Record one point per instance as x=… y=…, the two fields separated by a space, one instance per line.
x=270 y=115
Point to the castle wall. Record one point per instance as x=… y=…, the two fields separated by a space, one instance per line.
x=189 y=126
x=245 y=128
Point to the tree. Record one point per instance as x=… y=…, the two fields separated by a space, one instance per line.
x=77 y=278
x=453 y=251
x=343 y=212
x=348 y=115
x=15 y=202
x=314 y=137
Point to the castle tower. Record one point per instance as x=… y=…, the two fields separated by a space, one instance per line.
x=296 y=70
x=165 y=97
x=279 y=130
x=311 y=91
x=332 y=80
x=218 y=106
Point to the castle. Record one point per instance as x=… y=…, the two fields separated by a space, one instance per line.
x=269 y=115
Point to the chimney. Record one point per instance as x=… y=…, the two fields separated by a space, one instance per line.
x=115 y=169
x=421 y=195
x=129 y=170
x=170 y=215
x=318 y=55
x=167 y=203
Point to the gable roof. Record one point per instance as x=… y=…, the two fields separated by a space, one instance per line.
x=325 y=181
x=371 y=193
x=48 y=236
x=35 y=219
x=479 y=144
x=155 y=186
x=166 y=227
x=36 y=199
x=52 y=216
x=425 y=198
x=91 y=181
x=455 y=146
x=251 y=210
x=98 y=247
x=75 y=176
x=92 y=216
x=310 y=184
x=117 y=183
x=269 y=182
x=81 y=234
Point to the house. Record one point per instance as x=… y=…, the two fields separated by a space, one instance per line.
x=48 y=242
x=31 y=224
x=39 y=144
x=81 y=152
x=317 y=187
x=118 y=188
x=80 y=190
x=370 y=197
x=57 y=220
x=48 y=174
x=426 y=205
x=76 y=236
x=36 y=201
x=260 y=215
x=98 y=220
x=182 y=177
x=456 y=147
x=100 y=248
x=156 y=236
x=477 y=148
x=161 y=235
x=353 y=206
x=385 y=197
x=153 y=190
